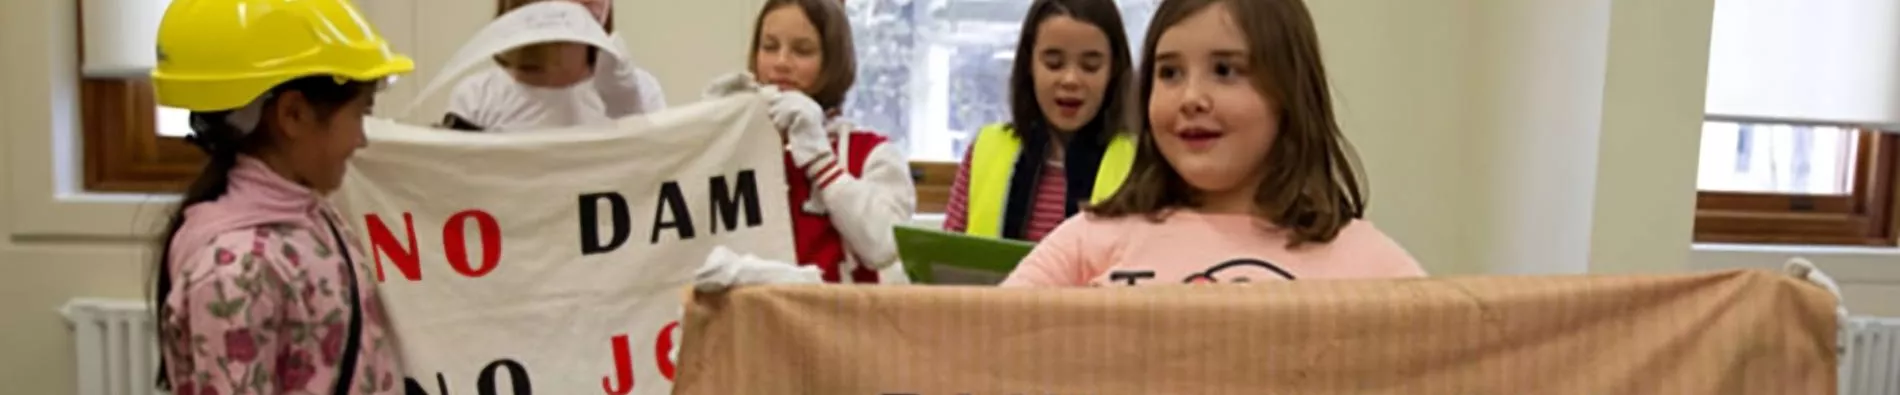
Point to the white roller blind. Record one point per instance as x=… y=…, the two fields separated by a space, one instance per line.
x=1819 y=61
x=121 y=37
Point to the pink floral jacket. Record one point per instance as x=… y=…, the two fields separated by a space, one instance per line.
x=259 y=300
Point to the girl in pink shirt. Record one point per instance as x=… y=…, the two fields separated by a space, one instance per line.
x=258 y=287
x=1242 y=174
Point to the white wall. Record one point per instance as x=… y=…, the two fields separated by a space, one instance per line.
x=1501 y=136
x=1652 y=114
x=1499 y=133
x=430 y=31
x=1390 y=75
x=54 y=248
x=1870 y=280
x=687 y=43
x=61 y=244
x=1535 y=110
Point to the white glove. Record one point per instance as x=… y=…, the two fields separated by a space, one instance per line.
x=729 y=84
x=725 y=269
x=621 y=86
x=804 y=125
x=673 y=355
x=1802 y=269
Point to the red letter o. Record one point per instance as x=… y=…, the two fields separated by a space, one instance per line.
x=455 y=247
x=663 y=346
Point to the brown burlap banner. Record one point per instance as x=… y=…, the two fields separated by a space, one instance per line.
x=1734 y=332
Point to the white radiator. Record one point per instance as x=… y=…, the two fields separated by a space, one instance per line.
x=116 y=346
x=1870 y=359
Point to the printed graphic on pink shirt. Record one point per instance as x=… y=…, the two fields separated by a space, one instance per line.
x=1235 y=271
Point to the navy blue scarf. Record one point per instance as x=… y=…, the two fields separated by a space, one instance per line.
x=1083 y=157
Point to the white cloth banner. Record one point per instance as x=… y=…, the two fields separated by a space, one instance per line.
x=556 y=262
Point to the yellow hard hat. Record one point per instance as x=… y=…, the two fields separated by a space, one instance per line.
x=216 y=55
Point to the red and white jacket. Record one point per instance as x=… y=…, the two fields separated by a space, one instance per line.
x=862 y=191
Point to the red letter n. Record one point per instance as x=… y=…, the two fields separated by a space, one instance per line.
x=382 y=242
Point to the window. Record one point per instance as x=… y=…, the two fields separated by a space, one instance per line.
x=129 y=143
x=1795 y=184
x=932 y=72
x=1790 y=153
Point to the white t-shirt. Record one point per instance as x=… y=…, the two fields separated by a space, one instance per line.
x=493 y=101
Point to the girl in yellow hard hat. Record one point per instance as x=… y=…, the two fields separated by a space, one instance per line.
x=257 y=288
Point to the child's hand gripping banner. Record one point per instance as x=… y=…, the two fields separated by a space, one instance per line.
x=555 y=262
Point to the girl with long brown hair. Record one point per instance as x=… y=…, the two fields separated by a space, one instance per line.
x=848 y=186
x=1066 y=144
x=1242 y=174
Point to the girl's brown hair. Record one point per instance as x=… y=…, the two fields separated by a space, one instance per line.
x=1311 y=186
x=536 y=55
x=838 y=67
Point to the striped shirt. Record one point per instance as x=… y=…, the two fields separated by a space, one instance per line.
x=1050 y=191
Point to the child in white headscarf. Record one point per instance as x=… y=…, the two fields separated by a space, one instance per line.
x=553 y=85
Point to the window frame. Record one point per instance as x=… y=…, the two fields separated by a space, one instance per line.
x=933 y=180
x=934 y=176
x=121 y=148
x=122 y=151
x=1864 y=217
x=125 y=153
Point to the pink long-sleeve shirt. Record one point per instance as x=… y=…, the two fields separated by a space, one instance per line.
x=1189 y=247
x=259 y=300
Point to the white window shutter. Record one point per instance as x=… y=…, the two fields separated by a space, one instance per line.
x=1806 y=61
x=121 y=37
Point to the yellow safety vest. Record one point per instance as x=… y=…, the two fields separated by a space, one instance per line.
x=993 y=163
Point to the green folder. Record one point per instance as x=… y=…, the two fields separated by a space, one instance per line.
x=925 y=251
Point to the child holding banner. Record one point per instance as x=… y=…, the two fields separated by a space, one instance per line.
x=1065 y=145
x=848 y=186
x=256 y=289
x=553 y=85
x=1243 y=175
